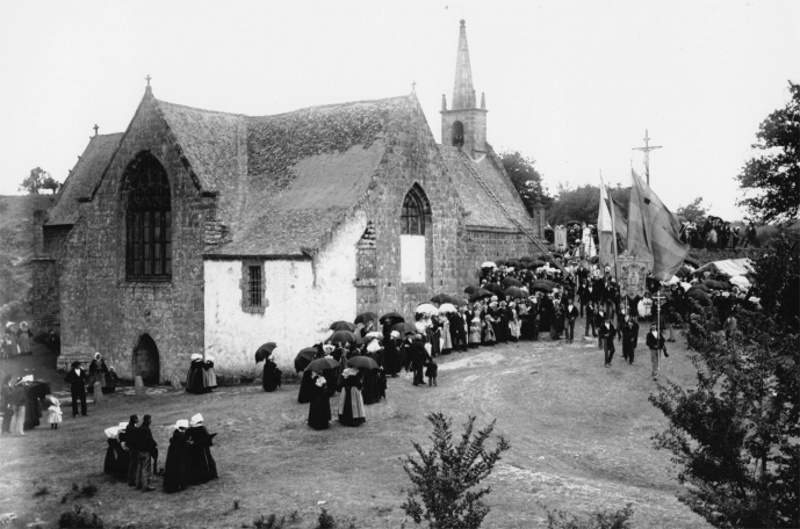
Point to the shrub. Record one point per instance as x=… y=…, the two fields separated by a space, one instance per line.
x=270 y=522
x=325 y=520
x=446 y=476
x=78 y=519
x=618 y=519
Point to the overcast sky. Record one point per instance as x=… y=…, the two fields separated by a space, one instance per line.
x=571 y=84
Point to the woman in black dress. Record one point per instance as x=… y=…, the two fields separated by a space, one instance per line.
x=319 y=411
x=176 y=467
x=351 y=405
x=202 y=466
x=271 y=379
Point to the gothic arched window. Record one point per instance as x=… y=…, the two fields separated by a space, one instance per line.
x=148 y=220
x=412 y=220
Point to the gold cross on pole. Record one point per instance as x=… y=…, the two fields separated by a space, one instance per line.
x=647 y=148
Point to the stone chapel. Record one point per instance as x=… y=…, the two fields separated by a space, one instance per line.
x=196 y=231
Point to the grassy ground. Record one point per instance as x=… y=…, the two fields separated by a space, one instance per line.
x=580 y=437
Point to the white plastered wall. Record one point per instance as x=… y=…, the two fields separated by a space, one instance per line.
x=304 y=298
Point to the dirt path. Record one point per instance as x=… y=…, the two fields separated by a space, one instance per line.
x=580 y=436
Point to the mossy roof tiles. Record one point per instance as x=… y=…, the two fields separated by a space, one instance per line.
x=83 y=178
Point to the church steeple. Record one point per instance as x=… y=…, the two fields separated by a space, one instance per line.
x=463 y=90
x=464 y=125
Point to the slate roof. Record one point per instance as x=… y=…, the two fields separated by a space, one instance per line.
x=83 y=178
x=284 y=181
x=483 y=211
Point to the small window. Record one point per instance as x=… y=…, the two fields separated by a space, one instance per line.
x=253 y=287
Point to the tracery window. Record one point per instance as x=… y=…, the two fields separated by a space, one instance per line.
x=412 y=219
x=148 y=220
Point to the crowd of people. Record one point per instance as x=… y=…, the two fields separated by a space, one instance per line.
x=132 y=454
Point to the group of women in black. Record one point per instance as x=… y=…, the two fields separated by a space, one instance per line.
x=189 y=460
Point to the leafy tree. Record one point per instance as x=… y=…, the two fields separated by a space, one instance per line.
x=775 y=172
x=581 y=204
x=695 y=211
x=39 y=179
x=735 y=435
x=446 y=476
x=526 y=179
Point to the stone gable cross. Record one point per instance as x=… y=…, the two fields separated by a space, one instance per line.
x=148 y=78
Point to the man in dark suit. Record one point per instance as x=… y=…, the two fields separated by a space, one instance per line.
x=76 y=378
x=655 y=342
x=607 y=333
x=571 y=315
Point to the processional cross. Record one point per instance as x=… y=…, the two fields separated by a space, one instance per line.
x=647 y=148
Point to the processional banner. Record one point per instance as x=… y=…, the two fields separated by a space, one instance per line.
x=632 y=274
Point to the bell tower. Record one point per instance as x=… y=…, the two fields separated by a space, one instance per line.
x=464 y=125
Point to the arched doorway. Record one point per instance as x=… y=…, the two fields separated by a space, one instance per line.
x=146 y=363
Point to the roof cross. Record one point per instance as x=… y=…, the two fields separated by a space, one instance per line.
x=148 y=78
x=414 y=87
x=647 y=148
x=96 y=128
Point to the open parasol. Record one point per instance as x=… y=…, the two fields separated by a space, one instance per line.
x=342 y=337
x=263 y=352
x=362 y=362
x=342 y=326
x=304 y=357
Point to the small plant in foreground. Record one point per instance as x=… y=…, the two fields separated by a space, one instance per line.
x=445 y=477
x=41 y=491
x=77 y=519
x=325 y=520
x=269 y=522
x=618 y=519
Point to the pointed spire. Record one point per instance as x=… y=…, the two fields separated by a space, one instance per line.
x=463 y=91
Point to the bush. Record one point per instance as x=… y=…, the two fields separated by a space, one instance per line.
x=734 y=435
x=325 y=520
x=446 y=476
x=618 y=519
x=77 y=519
x=270 y=522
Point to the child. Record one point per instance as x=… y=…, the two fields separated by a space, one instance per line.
x=430 y=371
x=54 y=410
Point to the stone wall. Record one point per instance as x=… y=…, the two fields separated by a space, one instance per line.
x=100 y=309
x=487 y=244
x=412 y=157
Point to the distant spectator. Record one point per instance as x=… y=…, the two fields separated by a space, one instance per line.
x=24 y=339
x=6 y=404
x=76 y=378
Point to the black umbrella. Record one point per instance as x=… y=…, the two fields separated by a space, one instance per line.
x=441 y=299
x=513 y=262
x=471 y=289
x=699 y=296
x=264 y=351
x=699 y=286
x=691 y=262
x=541 y=286
x=526 y=258
x=366 y=317
x=404 y=328
x=515 y=292
x=342 y=326
x=304 y=357
x=362 y=362
x=511 y=282
x=321 y=364
x=497 y=288
x=390 y=318
x=535 y=264
x=717 y=285
x=342 y=337
x=480 y=294
x=500 y=263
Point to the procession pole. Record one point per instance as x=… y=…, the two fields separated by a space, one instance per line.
x=613 y=243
